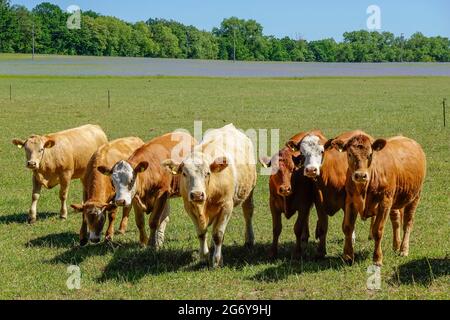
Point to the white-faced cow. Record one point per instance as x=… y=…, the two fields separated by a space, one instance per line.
x=58 y=158
x=142 y=182
x=100 y=191
x=383 y=175
x=217 y=176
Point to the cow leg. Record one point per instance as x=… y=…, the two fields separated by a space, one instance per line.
x=110 y=231
x=140 y=224
x=372 y=221
x=348 y=227
x=321 y=234
x=63 y=192
x=155 y=220
x=160 y=232
x=378 y=228
x=83 y=232
x=396 y=223
x=124 y=221
x=301 y=230
x=408 y=222
x=219 y=227
x=204 y=250
x=276 y=230
x=35 y=195
x=248 y=208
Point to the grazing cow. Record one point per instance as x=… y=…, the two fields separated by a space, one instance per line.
x=100 y=191
x=383 y=176
x=290 y=192
x=58 y=158
x=217 y=176
x=140 y=180
x=327 y=169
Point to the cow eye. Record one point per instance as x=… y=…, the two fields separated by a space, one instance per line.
x=208 y=174
x=184 y=174
x=41 y=150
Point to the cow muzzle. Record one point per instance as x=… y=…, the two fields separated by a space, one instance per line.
x=285 y=191
x=94 y=237
x=121 y=203
x=360 y=177
x=197 y=196
x=311 y=172
x=32 y=164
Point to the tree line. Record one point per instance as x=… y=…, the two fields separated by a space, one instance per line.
x=234 y=39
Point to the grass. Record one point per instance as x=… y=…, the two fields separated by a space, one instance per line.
x=34 y=259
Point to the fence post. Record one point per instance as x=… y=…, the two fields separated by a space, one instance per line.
x=109 y=99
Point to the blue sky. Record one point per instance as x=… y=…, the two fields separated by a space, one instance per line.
x=311 y=19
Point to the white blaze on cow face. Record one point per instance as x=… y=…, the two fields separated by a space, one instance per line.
x=34 y=149
x=312 y=152
x=124 y=180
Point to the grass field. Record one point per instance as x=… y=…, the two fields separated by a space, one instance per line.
x=34 y=259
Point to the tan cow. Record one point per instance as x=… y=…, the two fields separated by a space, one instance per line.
x=140 y=181
x=100 y=191
x=58 y=158
x=383 y=175
x=217 y=176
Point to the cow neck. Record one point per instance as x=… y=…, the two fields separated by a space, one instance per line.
x=360 y=195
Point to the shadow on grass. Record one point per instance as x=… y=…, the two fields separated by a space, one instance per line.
x=56 y=240
x=289 y=266
x=22 y=217
x=132 y=265
x=422 y=271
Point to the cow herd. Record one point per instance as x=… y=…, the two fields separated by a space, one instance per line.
x=372 y=178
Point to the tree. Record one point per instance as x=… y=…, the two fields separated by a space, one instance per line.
x=6 y=27
x=324 y=50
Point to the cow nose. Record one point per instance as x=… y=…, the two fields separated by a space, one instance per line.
x=197 y=196
x=361 y=176
x=285 y=190
x=120 y=203
x=31 y=164
x=311 y=171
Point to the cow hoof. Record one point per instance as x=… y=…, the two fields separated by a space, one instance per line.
x=31 y=220
x=404 y=253
x=320 y=255
x=273 y=254
x=298 y=255
x=108 y=238
x=249 y=245
x=63 y=217
x=378 y=263
x=83 y=242
x=348 y=260
x=121 y=231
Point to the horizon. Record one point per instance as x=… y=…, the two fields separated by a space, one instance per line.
x=307 y=21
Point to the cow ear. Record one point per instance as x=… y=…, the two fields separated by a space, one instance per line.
x=77 y=207
x=50 y=143
x=141 y=167
x=172 y=166
x=293 y=146
x=219 y=164
x=266 y=162
x=328 y=145
x=379 y=144
x=339 y=145
x=19 y=143
x=104 y=170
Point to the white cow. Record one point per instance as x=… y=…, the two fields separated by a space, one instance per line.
x=217 y=176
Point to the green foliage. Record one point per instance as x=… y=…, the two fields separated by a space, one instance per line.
x=234 y=38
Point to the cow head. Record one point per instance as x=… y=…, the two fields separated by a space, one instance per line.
x=34 y=148
x=94 y=214
x=284 y=165
x=360 y=152
x=195 y=174
x=313 y=155
x=124 y=177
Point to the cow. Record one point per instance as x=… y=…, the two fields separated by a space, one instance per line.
x=100 y=191
x=217 y=176
x=384 y=176
x=58 y=158
x=326 y=168
x=290 y=192
x=140 y=181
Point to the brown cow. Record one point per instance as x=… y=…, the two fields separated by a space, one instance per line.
x=382 y=175
x=58 y=158
x=142 y=181
x=100 y=191
x=290 y=192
